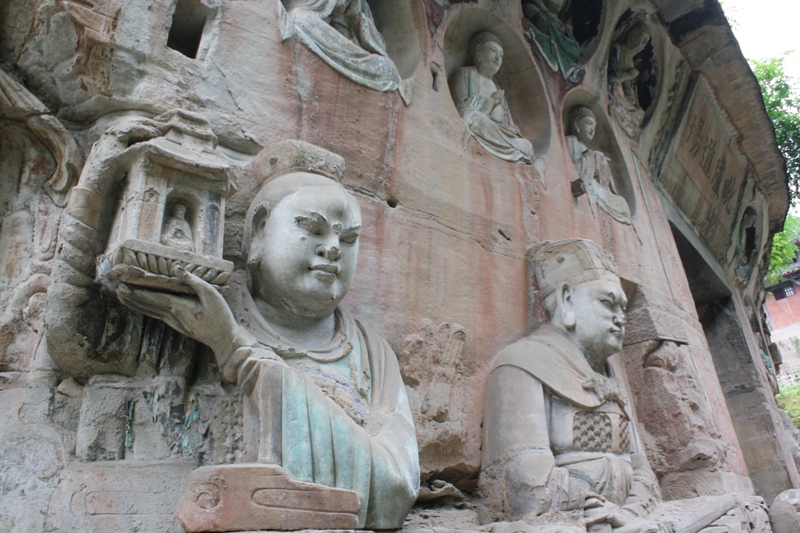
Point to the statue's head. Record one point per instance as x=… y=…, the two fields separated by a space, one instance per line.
x=637 y=37
x=582 y=294
x=486 y=51
x=583 y=123
x=179 y=210
x=301 y=237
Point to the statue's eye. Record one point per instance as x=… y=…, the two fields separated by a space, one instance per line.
x=349 y=237
x=314 y=227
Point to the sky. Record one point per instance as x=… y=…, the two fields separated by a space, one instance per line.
x=767 y=28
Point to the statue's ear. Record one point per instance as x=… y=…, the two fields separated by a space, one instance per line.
x=565 y=305
x=260 y=216
x=254 y=231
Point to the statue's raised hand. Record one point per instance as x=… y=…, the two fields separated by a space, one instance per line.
x=136 y=130
x=205 y=317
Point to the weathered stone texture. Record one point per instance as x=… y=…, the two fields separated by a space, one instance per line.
x=785 y=512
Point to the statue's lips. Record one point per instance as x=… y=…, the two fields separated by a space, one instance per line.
x=324 y=271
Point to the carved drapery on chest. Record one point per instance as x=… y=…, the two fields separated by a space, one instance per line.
x=604 y=429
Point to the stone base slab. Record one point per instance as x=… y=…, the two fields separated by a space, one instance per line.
x=108 y=496
x=262 y=497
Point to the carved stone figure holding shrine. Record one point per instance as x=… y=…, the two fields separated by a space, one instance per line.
x=482 y=104
x=327 y=422
x=594 y=172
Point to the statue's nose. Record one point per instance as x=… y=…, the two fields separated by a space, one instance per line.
x=331 y=253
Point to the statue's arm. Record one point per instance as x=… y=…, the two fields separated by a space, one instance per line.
x=517 y=450
x=393 y=442
x=459 y=89
x=395 y=470
x=645 y=493
x=205 y=317
x=73 y=302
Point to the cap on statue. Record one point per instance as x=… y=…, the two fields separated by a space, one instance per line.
x=572 y=261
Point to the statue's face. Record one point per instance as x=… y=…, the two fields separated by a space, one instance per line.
x=599 y=308
x=638 y=40
x=308 y=248
x=585 y=128
x=489 y=58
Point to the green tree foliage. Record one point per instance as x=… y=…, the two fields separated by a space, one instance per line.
x=783 y=249
x=789 y=400
x=782 y=100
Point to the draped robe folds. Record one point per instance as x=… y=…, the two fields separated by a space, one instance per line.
x=337 y=417
x=559 y=48
x=496 y=132
x=355 y=47
x=595 y=174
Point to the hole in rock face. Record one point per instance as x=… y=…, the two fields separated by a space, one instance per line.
x=749 y=226
x=392 y=202
x=586 y=16
x=188 y=23
x=645 y=62
x=749 y=240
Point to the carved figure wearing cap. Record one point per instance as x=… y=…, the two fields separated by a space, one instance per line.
x=324 y=396
x=482 y=104
x=558 y=427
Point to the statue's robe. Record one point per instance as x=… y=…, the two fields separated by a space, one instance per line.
x=343 y=34
x=595 y=174
x=553 y=40
x=556 y=433
x=336 y=416
x=496 y=132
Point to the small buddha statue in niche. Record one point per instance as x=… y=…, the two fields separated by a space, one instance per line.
x=482 y=104
x=592 y=166
x=177 y=232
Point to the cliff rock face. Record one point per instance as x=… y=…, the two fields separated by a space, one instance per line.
x=105 y=412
